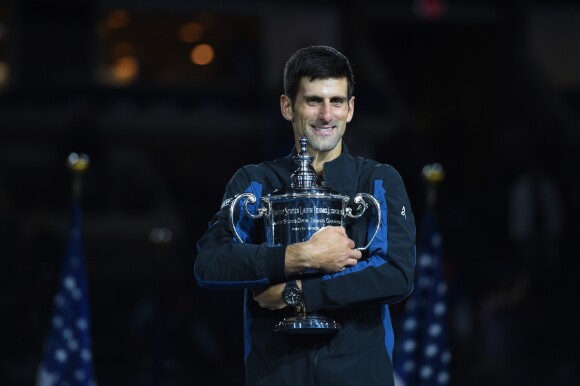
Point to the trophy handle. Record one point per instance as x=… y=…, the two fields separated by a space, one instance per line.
x=249 y=199
x=360 y=199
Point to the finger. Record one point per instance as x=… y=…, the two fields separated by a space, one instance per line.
x=322 y=229
x=355 y=254
x=351 y=243
x=351 y=262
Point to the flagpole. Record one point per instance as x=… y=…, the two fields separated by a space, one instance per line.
x=160 y=353
x=78 y=165
x=434 y=175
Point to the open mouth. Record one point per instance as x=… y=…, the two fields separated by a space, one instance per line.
x=323 y=129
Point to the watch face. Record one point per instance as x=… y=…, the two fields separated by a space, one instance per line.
x=292 y=296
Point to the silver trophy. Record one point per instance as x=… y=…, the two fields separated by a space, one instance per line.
x=293 y=214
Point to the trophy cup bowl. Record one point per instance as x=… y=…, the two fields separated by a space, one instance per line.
x=292 y=215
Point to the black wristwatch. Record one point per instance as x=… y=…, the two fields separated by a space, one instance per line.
x=292 y=295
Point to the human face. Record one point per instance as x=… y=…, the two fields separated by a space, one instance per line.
x=320 y=113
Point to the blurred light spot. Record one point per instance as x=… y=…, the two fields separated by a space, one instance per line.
x=431 y=9
x=78 y=162
x=202 y=54
x=191 y=32
x=160 y=235
x=4 y=73
x=118 y=18
x=125 y=70
x=60 y=355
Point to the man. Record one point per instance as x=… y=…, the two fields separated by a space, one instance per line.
x=353 y=289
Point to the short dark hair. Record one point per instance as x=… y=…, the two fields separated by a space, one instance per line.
x=316 y=62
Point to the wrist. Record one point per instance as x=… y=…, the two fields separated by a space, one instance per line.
x=292 y=294
x=296 y=261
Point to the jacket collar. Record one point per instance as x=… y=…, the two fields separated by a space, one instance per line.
x=338 y=173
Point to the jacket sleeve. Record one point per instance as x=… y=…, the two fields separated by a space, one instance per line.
x=386 y=276
x=222 y=261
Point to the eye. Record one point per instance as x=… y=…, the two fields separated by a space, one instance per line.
x=337 y=101
x=313 y=101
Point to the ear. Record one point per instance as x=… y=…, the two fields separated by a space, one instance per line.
x=286 y=108
x=350 y=109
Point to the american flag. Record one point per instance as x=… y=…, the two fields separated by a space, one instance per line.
x=67 y=357
x=422 y=356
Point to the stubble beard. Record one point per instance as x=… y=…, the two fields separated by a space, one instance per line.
x=322 y=144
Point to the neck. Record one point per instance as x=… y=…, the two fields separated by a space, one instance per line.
x=319 y=158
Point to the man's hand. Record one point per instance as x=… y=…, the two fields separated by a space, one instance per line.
x=329 y=250
x=270 y=297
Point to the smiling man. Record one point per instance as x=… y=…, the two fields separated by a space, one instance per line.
x=320 y=112
x=351 y=288
x=318 y=101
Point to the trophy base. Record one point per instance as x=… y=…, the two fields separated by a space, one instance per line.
x=307 y=324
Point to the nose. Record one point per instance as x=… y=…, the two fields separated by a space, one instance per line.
x=325 y=112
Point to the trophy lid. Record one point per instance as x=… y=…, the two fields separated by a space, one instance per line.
x=304 y=180
x=304 y=177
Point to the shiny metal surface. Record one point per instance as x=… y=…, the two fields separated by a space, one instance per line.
x=293 y=214
x=307 y=324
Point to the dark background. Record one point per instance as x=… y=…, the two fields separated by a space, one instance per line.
x=490 y=89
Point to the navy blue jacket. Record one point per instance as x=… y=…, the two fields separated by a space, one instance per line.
x=360 y=353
